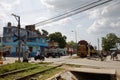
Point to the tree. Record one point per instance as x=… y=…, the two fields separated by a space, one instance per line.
x=44 y=32
x=110 y=41
x=72 y=44
x=57 y=37
x=39 y=33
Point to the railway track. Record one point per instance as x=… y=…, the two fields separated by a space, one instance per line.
x=17 y=71
x=27 y=73
x=31 y=75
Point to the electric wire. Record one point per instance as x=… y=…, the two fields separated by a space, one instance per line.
x=67 y=12
x=70 y=13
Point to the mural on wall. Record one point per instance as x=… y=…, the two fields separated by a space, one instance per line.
x=28 y=39
x=11 y=34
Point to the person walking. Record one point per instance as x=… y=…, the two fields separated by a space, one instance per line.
x=4 y=55
x=26 y=55
x=114 y=55
x=37 y=56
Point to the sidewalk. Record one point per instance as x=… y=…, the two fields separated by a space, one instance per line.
x=13 y=59
x=10 y=60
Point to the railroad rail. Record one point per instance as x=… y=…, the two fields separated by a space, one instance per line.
x=17 y=71
x=31 y=75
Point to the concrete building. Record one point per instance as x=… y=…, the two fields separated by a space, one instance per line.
x=29 y=39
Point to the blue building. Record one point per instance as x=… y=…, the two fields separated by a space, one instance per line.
x=29 y=39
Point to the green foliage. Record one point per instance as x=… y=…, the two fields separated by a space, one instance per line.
x=109 y=41
x=42 y=67
x=57 y=37
x=38 y=32
x=72 y=44
x=44 y=32
x=50 y=73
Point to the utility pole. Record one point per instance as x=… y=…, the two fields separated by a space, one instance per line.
x=18 y=20
x=98 y=45
x=76 y=39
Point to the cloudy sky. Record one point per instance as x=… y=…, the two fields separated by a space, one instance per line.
x=89 y=25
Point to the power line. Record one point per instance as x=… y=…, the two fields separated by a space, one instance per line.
x=38 y=10
x=73 y=12
x=108 y=6
x=82 y=17
x=67 y=12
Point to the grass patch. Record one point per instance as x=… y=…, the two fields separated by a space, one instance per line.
x=17 y=65
x=20 y=74
x=21 y=65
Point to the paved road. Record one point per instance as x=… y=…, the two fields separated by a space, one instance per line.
x=75 y=60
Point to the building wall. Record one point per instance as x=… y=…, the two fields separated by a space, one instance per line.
x=28 y=38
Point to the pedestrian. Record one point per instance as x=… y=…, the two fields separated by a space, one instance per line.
x=70 y=51
x=4 y=55
x=37 y=56
x=104 y=54
x=38 y=53
x=26 y=55
x=28 y=51
x=100 y=56
x=114 y=55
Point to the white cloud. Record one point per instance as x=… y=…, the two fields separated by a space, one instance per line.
x=44 y=2
x=64 y=4
x=58 y=26
x=106 y=20
x=94 y=14
x=6 y=7
x=61 y=22
x=115 y=24
x=79 y=26
x=41 y=19
x=2 y=15
x=64 y=21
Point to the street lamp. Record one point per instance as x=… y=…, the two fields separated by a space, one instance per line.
x=18 y=20
x=98 y=45
x=75 y=39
